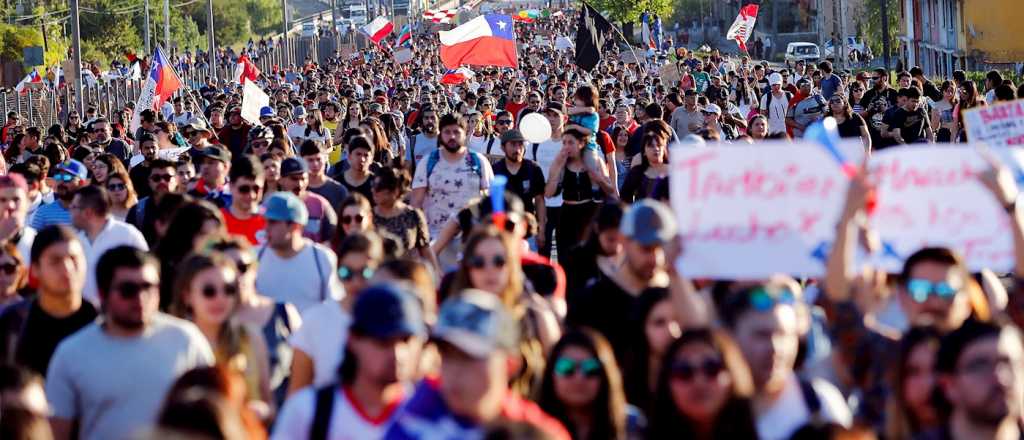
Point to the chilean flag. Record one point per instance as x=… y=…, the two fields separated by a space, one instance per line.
x=487 y=40
x=456 y=76
x=246 y=70
x=160 y=84
x=32 y=78
x=378 y=29
x=743 y=26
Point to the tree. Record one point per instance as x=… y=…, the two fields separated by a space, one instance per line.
x=627 y=11
x=873 y=25
x=265 y=16
x=184 y=31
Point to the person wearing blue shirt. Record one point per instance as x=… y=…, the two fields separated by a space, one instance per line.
x=70 y=176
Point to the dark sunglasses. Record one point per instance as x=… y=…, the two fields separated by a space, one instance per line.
x=566 y=367
x=9 y=268
x=920 y=290
x=116 y=187
x=210 y=291
x=504 y=122
x=131 y=290
x=478 y=262
x=347 y=219
x=685 y=371
x=160 y=177
x=246 y=189
x=347 y=273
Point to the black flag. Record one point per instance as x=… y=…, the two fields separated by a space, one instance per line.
x=591 y=32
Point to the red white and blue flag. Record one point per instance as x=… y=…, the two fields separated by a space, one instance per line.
x=32 y=78
x=645 y=32
x=488 y=40
x=457 y=76
x=405 y=36
x=246 y=70
x=160 y=85
x=378 y=29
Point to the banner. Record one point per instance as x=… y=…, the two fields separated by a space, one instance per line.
x=747 y=212
x=253 y=99
x=999 y=124
x=931 y=196
x=403 y=55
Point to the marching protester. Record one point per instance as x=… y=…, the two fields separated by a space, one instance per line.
x=505 y=223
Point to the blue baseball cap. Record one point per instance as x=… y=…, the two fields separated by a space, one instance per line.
x=477 y=323
x=267 y=112
x=649 y=222
x=386 y=311
x=285 y=207
x=74 y=168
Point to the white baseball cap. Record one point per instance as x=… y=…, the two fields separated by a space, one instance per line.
x=774 y=79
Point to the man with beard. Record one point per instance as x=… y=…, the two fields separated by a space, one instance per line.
x=31 y=330
x=449 y=177
x=980 y=373
x=139 y=174
x=70 y=176
x=525 y=178
x=111 y=377
x=420 y=145
x=163 y=180
x=103 y=141
x=322 y=220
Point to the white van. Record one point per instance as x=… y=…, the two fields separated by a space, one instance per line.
x=802 y=51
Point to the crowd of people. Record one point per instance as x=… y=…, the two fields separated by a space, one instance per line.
x=344 y=269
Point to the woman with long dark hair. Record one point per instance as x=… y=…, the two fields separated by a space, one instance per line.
x=945 y=116
x=393 y=215
x=649 y=179
x=851 y=125
x=969 y=98
x=583 y=186
x=652 y=327
x=374 y=131
x=704 y=390
x=911 y=408
x=600 y=253
x=582 y=388
x=188 y=228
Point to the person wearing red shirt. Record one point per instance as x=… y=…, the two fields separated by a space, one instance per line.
x=517 y=100
x=242 y=217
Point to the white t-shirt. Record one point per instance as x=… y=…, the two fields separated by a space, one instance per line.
x=479 y=144
x=115 y=386
x=322 y=337
x=450 y=188
x=296 y=131
x=790 y=412
x=349 y=420
x=296 y=280
x=776 y=113
x=115 y=233
x=546 y=153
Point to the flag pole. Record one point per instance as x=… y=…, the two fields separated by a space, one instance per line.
x=188 y=92
x=624 y=40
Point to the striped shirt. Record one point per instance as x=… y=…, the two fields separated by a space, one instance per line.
x=50 y=214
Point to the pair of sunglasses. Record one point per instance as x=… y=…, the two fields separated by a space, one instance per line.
x=566 y=367
x=347 y=273
x=478 y=262
x=920 y=290
x=685 y=371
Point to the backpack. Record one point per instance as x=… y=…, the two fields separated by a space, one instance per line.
x=324 y=406
x=473 y=159
x=768 y=103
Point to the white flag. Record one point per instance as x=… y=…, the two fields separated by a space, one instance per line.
x=253 y=99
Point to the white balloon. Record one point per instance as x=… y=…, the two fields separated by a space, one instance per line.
x=535 y=128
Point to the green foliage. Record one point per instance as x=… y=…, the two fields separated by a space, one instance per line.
x=630 y=10
x=14 y=39
x=184 y=31
x=264 y=16
x=873 y=25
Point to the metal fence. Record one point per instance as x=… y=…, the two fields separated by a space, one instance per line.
x=42 y=106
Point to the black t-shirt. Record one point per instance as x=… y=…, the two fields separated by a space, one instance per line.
x=605 y=307
x=889 y=95
x=41 y=333
x=140 y=180
x=911 y=124
x=527 y=183
x=335 y=192
x=850 y=128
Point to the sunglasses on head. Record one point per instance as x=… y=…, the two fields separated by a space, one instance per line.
x=348 y=219
x=685 y=371
x=64 y=177
x=478 y=262
x=131 y=289
x=920 y=290
x=247 y=189
x=210 y=291
x=566 y=367
x=347 y=273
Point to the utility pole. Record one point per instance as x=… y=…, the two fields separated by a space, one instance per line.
x=334 y=23
x=284 y=33
x=211 y=44
x=76 y=49
x=145 y=31
x=885 y=32
x=167 y=24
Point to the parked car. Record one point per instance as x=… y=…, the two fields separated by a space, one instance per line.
x=855 y=47
x=802 y=51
